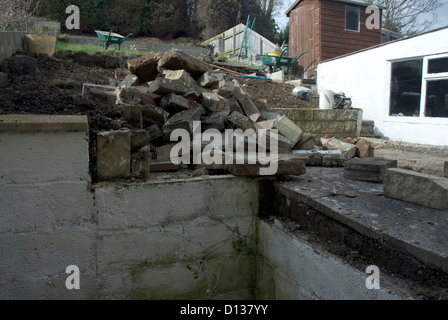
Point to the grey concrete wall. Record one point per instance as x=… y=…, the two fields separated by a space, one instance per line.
x=10 y=42
x=290 y=268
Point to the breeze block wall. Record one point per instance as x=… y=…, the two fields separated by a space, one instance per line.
x=326 y=123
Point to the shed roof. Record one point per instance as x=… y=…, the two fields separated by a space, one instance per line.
x=363 y=4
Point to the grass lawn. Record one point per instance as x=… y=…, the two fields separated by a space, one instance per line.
x=95 y=49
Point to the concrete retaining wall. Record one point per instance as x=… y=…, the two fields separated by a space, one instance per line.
x=10 y=42
x=340 y=124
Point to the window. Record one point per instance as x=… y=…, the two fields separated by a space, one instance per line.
x=419 y=87
x=351 y=18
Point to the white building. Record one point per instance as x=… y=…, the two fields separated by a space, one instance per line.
x=401 y=85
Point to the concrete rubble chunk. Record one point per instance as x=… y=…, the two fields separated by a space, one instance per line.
x=164 y=152
x=223 y=89
x=364 y=149
x=132 y=114
x=141 y=162
x=99 y=93
x=179 y=75
x=289 y=129
x=367 y=169
x=140 y=138
x=209 y=79
x=348 y=149
x=284 y=145
x=419 y=188
x=215 y=121
x=135 y=95
x=113 y=154
x=183 y=120
x=278 y=77
x=174 y=103
x=154 y=132
x=236 y=107
x=246 y=102
x=131 y=80
x=333 y=160
x=213 y=101
x=286 y=165
x=266 y=125
x=306 y=143
x=144 y=67
x=240 y=121
x=154 y=115
x=164 y=86
x=175 y=59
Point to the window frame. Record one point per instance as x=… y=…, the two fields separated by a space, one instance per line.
x=425 y=78
x=359 y=18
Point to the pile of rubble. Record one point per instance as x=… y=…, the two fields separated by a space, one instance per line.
x=158 y=94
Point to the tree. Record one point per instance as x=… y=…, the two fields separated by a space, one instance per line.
x=408 y=17
x=14 y=13
x=269 y=7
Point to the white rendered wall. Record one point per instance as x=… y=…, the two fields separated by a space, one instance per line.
x=365 y=77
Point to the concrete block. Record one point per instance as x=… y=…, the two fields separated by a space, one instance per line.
x=163 y=152
x=154 y=132
x=284 y=145
x=306 y=143
x=286 y=165
x=364 y=149
x=215 y=121
x=133 y=114
x=131 y=80
x=213 y=101
x=183 y=120
x=331 y=127
x=366 y=169
x=174 y=103
x=208 y=79
x=288 y=129
x=175 y=59
x=297 y=114
x=333 y=160
x=348 y=149
x=99 y=93
x=144 y=67
x=239 y=121
x=423 y=189
x=266 y=125
x=164 y=86
x=140 y=138
x=179 y=75
x=114 y=154
x=223 y=89
x=154 y=115
x=141 y=167
x=236 y=107
x=135 y=95
x=246 y=102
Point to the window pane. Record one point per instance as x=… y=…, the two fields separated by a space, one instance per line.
x=351 y=18
x=438 y=65
x=437 y=99
x=406 y=88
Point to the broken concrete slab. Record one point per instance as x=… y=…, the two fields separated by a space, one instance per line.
x=174 y=103
x=136 y=95
x=209 y=79
x=213 y=101
x=240 y=121
x=99 y=93
x=140 y=138
x=145 y=67
x=348 y=149
x=367 y=169
x=289 y=129
x=419 y=188
x=246 y=102
x=179 y=75
x=277 y=77
x=175 y=59
x=183 y=120
x=266 y=125
x=154 y=115
x=285 y=164
x=113 y=154
x=131 y=80
x=215 y=121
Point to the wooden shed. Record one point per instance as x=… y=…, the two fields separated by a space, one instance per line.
x=327 y=29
